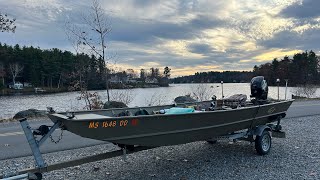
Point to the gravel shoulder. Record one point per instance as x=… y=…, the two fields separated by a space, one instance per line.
x=295 y=157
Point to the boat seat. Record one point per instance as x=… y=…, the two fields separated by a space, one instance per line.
x=141 y=112
x=236 y=100
x=125 y=113
x=177 y=110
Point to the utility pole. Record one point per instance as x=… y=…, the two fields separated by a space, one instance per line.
x=285 y=95
x=222 y=89
x=278 y=82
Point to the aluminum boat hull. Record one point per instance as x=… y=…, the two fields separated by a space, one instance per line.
x=168 y=129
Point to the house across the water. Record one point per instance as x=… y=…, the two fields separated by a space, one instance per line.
x=16 y=85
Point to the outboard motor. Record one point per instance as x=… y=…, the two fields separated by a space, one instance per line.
x=259 y=88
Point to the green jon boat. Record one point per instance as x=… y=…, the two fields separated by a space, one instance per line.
x=167 y=129
x=178 y=123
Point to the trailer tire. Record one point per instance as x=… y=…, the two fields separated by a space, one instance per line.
x=263 y=143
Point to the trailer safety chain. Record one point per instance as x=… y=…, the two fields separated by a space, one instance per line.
x=59 y=138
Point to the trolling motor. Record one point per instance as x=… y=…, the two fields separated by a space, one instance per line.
x=259 y=90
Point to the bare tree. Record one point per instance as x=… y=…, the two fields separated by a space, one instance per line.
x=90 y=36
x=6 y=24
x=92 y=99
x=15 y=70
x=202 y=92
x=307 y=90
x=297 y=91
x=125 y=95
x=310 y=90
x=156 y=99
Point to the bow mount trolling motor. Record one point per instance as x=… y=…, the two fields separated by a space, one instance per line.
x=259 y=90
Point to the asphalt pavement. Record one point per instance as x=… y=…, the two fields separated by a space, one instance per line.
x=304 y=108
x=13 y=143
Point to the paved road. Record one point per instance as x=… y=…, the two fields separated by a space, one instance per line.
x=304 y=108
x=13 y=143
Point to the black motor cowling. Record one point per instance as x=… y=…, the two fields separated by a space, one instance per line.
x=259 y=88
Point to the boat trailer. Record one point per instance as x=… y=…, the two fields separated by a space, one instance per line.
x=262 y=144
x=41 y=166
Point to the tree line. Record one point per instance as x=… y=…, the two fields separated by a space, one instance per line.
x=63 y=70
x=303 y=69
x=216 y=77
x=49 y=68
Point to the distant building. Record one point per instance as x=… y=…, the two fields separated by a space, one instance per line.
x=16 y=85
x=151 y=80
x=26 y=84
x=115 y=79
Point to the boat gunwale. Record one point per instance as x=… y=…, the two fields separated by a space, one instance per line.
x=157 y=115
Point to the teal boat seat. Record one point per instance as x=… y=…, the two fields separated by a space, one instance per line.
x=177 y=110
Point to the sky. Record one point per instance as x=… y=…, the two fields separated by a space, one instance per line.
x=187 y=35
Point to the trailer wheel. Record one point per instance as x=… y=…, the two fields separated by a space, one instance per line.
x=263 y=143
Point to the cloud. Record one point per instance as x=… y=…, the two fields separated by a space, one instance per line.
x=200 y=48
x=129 y=30
x=186 y=35
x=274 y=53
x=307 y=40
x=304 y=9
x=245 y=61
x=139 y=31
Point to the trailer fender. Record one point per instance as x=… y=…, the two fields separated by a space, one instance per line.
x=259 y=130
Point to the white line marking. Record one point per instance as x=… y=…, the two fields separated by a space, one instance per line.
x=11 y=134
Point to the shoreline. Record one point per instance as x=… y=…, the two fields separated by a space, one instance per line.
x=31 y=91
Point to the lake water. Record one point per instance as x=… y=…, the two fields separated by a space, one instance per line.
x=10 y=105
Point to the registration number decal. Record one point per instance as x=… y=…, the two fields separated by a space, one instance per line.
x=112 y=124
